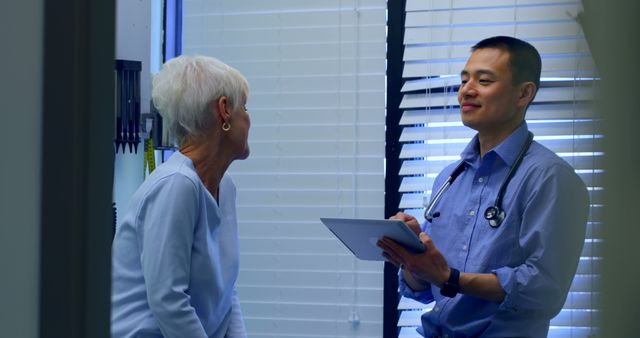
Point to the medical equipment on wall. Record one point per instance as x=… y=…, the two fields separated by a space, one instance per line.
x=494 y=214
x=132 y=125
x=127 y=105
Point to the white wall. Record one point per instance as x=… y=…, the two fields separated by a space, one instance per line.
x=20 y=93
x=133 y=42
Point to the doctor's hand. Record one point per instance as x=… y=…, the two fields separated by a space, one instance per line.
x=429 y=266
x=411 y=221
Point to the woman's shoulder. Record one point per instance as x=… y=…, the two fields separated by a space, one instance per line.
x=173 y=178
x=177 y=167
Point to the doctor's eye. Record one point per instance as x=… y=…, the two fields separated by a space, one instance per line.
x=485 y=81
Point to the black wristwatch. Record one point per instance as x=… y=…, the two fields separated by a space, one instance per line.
x=451 y=287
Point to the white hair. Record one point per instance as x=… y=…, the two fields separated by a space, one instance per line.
x=184 y=88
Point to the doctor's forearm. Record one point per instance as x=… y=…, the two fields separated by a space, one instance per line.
x=482 y=285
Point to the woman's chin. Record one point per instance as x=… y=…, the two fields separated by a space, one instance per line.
x=245 y=154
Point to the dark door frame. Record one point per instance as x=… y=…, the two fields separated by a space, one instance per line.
x=77 y=168
x=395 y=50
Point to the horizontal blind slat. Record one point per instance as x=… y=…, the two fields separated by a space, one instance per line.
x=560 y=66
x=566 y=317
x=293 y=35
x=544 y=95
x=545 y=130
x=218 y=18
x=411 y=200
x=570 y=46
x=270 y=277
x=547 y=111
x=333 y=113
x=491 y=15
x=305 y=197
x=476 y=33
x=294 y=181
x=298 y=294
x=433 y=165
x=305 y=213
x=416 y=5
x=302 y=328
x=563 y=145
x=231 y=8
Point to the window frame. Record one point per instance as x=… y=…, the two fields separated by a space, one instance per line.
x=393 y=146
x=395 y=62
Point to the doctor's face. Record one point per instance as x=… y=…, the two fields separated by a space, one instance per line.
x=488 y=97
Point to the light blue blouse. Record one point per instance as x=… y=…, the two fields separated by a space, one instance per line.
x=534 y=253
x=175 y=258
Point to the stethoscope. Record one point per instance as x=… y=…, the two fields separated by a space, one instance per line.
x=494 y=214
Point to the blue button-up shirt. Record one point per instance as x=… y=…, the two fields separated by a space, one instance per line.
x=534 y=253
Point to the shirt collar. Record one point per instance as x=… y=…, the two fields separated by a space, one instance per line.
x=507 y=150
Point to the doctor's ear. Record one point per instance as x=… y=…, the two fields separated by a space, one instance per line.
x=527 y=93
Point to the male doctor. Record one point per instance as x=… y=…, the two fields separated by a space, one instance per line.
x=497 y=264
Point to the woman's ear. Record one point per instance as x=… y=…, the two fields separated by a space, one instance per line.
x=527 y=93
x=221 y=105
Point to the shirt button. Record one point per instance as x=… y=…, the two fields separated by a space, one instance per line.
x=472 y=212
x=481 y=179
x=436 y=309
x=464 y=247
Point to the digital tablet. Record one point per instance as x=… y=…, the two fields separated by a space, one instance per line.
x=360 y=235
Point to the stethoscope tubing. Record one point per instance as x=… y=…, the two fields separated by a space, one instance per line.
x=496 y=219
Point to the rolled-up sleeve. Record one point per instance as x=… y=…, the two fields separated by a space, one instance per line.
x=552 y=236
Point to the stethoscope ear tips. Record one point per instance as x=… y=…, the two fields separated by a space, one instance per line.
x=494 y=215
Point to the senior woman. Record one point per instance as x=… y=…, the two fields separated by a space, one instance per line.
x=175 y=253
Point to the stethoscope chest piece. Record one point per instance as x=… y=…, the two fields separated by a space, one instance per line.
x=494 y=215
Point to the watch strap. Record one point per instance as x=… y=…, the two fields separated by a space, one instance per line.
x=451 y=287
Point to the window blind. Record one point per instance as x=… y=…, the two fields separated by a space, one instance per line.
x=438 y=38
x=316 y=71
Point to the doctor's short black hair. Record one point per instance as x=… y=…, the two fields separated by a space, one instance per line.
x=525 y=61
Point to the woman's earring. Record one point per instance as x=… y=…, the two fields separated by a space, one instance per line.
x=226 y=126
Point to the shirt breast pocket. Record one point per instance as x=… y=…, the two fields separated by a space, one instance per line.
x=500 y=245
x=448 y=234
